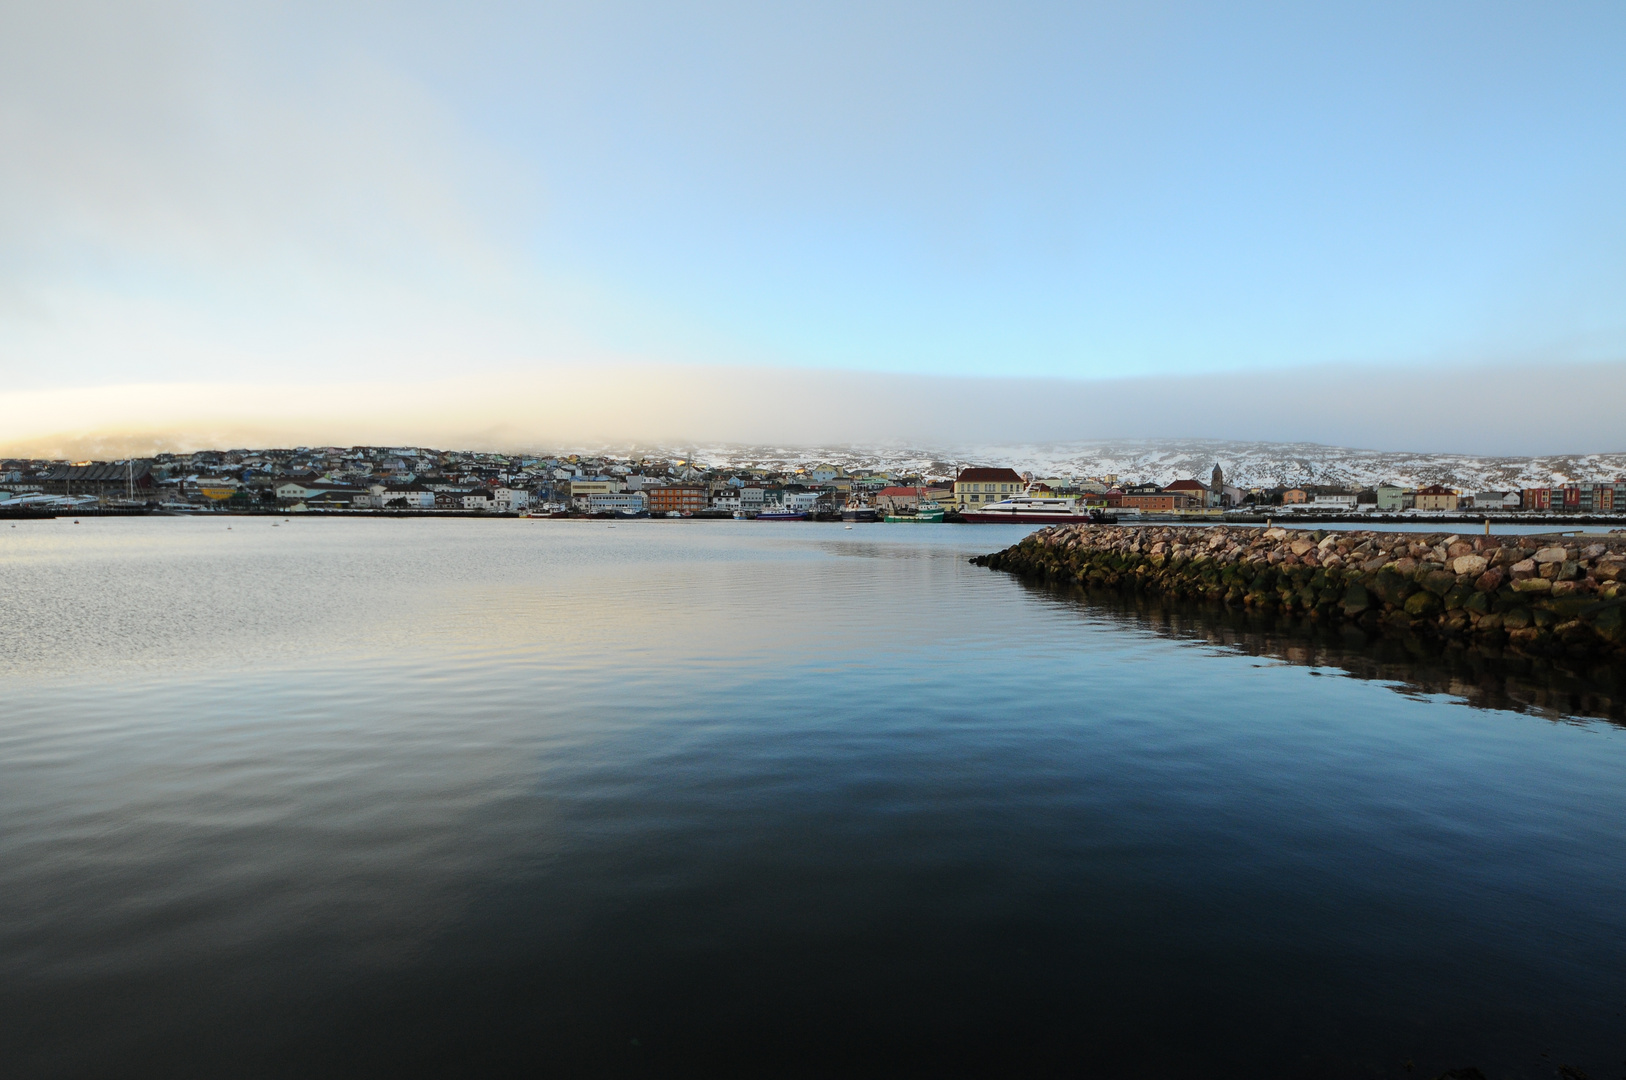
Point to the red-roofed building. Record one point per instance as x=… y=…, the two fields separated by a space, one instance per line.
x=1194 y=490
x=900 y=500
x=1436 y=497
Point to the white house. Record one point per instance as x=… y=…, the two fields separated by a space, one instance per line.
x=507 y=499
x=615 y=502
x=800 y=502
x=726 y=498
x=415 y=496
x=479 y=499
x=1495 y=500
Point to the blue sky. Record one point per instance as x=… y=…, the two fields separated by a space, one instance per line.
x=322 y=194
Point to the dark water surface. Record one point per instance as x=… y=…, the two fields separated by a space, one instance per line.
x=354 y=797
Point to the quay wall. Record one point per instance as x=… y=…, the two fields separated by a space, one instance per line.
x=1539 y=595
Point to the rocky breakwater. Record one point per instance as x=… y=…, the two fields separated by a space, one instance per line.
x=1543 y=596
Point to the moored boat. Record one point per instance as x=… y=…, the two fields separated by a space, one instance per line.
x=859 y=509
x=1035 y=510
x=925 y=514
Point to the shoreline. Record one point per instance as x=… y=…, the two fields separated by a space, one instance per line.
x=1347 y=524
x=1530 y=594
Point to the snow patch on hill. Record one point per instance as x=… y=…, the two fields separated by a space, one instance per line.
x=1246 y=464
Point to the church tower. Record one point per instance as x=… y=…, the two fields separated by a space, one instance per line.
x=1217 y=487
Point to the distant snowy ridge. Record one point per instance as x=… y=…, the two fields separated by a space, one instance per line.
x=1246 y=464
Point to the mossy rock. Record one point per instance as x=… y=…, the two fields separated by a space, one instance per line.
x=1392 y=588
x=1421 y=605
x=1458 y=596
x=1568 y=607
x=1439 y=582
x=1356 y=599
x=1610 y=624
x=1479 y=603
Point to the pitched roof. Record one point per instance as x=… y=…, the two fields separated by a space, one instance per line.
x=98 y=472
x=1186 y=485
x=983 y=476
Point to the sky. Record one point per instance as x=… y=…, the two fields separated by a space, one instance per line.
x=1396 y=226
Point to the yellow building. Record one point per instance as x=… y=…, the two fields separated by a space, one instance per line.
x=217 y=489
x=973 y=487
x=1435 y=497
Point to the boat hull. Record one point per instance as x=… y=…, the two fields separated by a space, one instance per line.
x=984 y=517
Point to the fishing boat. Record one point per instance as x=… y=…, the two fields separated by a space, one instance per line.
x=858 y=508
x=925 y=514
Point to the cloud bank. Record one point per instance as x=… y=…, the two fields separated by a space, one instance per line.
x=1507 y=410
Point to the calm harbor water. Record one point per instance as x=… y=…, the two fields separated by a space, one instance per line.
x=400 y=797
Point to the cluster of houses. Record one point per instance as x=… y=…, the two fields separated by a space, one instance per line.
x=415 y=479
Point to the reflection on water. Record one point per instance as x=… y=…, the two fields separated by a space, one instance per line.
x=1487 y=678
x=399 y=798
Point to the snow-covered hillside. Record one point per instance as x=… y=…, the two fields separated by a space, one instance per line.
x=1246 y=464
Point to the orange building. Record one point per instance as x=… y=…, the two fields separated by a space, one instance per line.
x=682 y=498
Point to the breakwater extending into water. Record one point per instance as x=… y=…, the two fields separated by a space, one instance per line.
x=1538 y=595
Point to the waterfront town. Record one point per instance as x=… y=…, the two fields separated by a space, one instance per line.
x=422 y=481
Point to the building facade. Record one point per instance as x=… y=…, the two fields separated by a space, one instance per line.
x=675 y=498
x=974 y=487
x=900 y=500
x=1163 y=501
x=1436 y=497
x=617 y=502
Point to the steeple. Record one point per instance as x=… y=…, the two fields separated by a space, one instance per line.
x=1217 y=486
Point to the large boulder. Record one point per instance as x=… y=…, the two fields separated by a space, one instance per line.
x=1391 y=587
x=1552 y=554
x=1533 y=585
x=1422 y=604
x=1439 y=582
x=1610 y=624
x=1469 y=564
